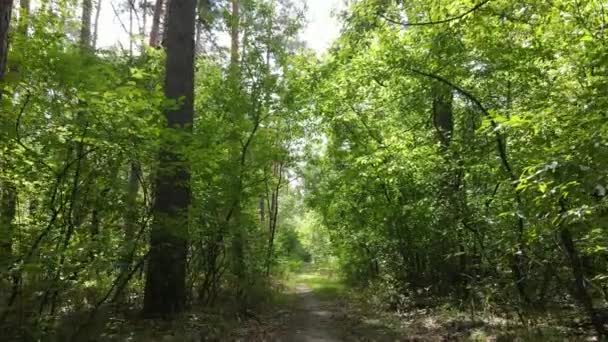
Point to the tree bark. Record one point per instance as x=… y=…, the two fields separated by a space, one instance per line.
x=8 y=193
x=234 y=34
x=130 y=224
x=273 y=215
x=6 y=8
x=96 y=31
x=165 y=22
x=85 y=30
x=165 y=291
x=450 y=193
x=155 y=30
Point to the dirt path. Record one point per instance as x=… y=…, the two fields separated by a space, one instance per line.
x=316 y=320
x=313 y=321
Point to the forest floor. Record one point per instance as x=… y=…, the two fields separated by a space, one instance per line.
x=315 y=307
x=318 y=308
x=315 y=310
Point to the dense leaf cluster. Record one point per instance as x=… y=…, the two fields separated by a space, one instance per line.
x=466 y=151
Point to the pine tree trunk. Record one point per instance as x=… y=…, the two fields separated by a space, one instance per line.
x=165 y=291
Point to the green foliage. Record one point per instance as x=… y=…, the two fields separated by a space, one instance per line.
x=525 y=161
x=453 y=150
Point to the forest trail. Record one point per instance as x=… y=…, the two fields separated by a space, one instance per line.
x=314 y=320
x=318 y=315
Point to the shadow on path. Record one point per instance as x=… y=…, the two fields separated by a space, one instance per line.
x=316 y=320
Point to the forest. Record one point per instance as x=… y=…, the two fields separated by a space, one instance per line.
x=438 y=173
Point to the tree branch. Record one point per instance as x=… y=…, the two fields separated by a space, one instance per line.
x=443 y=21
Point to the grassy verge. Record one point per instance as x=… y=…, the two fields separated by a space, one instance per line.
x=324 y=286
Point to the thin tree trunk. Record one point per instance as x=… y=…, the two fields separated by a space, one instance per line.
x=155 y=30
x=240 y=156
x=274 y=215
x=8 y=193
x=130 y=27
x=96 y=31
x=262 y=205
x=142 y=30
x=85 y=30
x=444 y=125
x=6 y=8
x=199 y=34
x=234 y=34
x=165 y=290
x=130 y=225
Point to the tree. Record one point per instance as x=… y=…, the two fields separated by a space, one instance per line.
x=6 y=9
x=85 y=31
x=156 y=19
x=165 y=292
x=8 y=193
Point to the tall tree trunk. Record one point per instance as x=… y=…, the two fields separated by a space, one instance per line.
x=8 y=193
x=234 y=34
x=273 y=215
x=165 y=22
x=203 y=23
x=96 y=30
x=144 y=23
x=130 y=226
x=6 y=8
x=238 y=238
x=130 y=27
x=444 y=125
x=131 y=202
x=85 y=30
x=165 y=291
x=155 y=30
